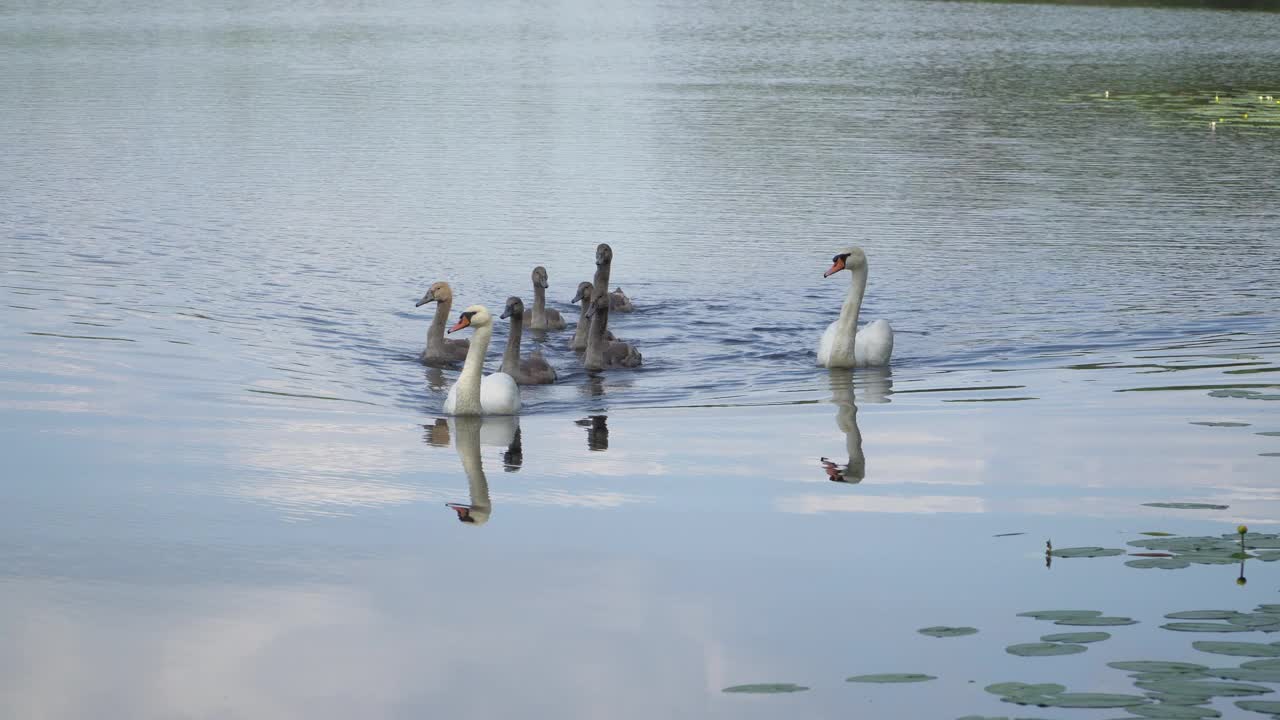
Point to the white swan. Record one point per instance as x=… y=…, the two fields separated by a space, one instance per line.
x=496 y=394
x=843 y=345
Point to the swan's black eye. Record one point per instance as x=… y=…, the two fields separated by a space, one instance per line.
x=468 y=315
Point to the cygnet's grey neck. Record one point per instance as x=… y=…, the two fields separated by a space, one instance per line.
x=435 y=333
x=598 y=336
x=539 y=299
x=511 y=357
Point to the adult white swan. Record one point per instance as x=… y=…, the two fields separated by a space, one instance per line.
x=843 y=344
x=495 y=394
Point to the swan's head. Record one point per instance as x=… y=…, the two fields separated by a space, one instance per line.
x=514 y=308
x=470 y=514
x=474 y=316
x=584 y=291
x=604 y=254
x=851 y=259
x=438 y=292
x=540 y=277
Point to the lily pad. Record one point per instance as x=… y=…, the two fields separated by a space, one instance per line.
x=1156 y=666
x=1172 y=563
x=1076 y=637
x=1156 y=533
x=1059 y=614
x=1195 y=687
x=1085 y=552
x=1166 y=711
x=1269 y=608
x=1096 y=621
x=1219 y=423
x=891 y=678
x=1238 y=649
x=1202 y=615
x=1247 y=674
x=1261 y=706
x=1205 y=627
x=1017 y=688
x=943 y=631
x=1042 y=649
x=1186 y=506
x=1262 y=664
x=1260 y=620
x=1086 y=700
x=766 y=688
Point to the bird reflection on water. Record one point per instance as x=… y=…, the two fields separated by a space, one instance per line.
x=876 y=384
x=469 y=433
x=597 y=431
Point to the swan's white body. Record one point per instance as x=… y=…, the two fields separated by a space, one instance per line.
x=495 y=394
x=843 y=345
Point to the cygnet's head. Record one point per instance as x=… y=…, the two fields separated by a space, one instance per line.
x=851 y=259
x=438 y=292
x=475 y=316
x=515 y=308
x=604 y=254
x=540 y=277
x=584 y=291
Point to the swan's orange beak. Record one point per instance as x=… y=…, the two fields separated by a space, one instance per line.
x=463 y=321
x=836 y=267
x=464 y=511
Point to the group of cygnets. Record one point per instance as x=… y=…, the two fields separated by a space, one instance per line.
x=841 y=345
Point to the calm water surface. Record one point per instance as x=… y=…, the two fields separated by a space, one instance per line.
x=227 y=475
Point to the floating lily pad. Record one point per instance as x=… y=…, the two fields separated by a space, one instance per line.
x=1167 y=711
x=1171 y=563
x=766 y=688
x=1186 y=506
x=1211 y=423
x=944 y=631
x=1268 y=555
x=1271 y=433
x=1042 y=649
x=1262 y=664
x=1246 y=674
x=1076 y=637
x=1059 y=614
x=1269 y=608
x=1096 y=621
x=1085 y=552
x=891 y=678
x=1259 y=621
x=1261 y=706
x=1156 y=533
x=1008 y=534
x=1202 y=615
x=1017 y=688
x=1195 y=687
x=1238 y=649
x=1083 y=700
x=1205 y=627
x=1156 y=666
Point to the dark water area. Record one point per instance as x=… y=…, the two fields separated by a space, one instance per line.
x=230 y=491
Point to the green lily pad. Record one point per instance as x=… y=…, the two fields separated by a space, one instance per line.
x=1096 y=621
x=1268 y=664
x=1161 y=563
x=1085 y=552
x=1272 y=608
x=1261 y=706
x=1260 y=620
x=1083 y=700
x=1186 y=506
x=1238 y=649
x=1042 y=649
x=1017 y=688
x=766 y=688
x=1247 y=674
x=1076 y=637
x=1156 y=533
x=1166 y=711
x=1195 y=687
x=1059 y=614
x=943 y=631
x=1205 y=627
x=1219 y=423
x=1156 y=666
x=1270 y=433
x=1268 y=555
x=891 y=678
x=1202 y=615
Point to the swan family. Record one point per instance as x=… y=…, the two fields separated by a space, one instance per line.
x=842 y=345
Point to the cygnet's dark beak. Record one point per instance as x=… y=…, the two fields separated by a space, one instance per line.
x=576 y=296
x=506 y=312
x=425 y=299
x=591 y=310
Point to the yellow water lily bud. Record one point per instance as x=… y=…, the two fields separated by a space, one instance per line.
x=1242 y=529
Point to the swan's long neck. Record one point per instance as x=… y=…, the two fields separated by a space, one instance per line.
x=468 y=400
x=853 y=304
x=580 y=330
x=435 y=333
x=539 y=300
x=511 y=357
x=598 y=336
x=468 y=447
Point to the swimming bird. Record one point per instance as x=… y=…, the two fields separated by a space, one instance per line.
x=843 y=344
x=533 y=370
x=495 y=394
x=543 y=317
x=619 y=302
x=441 y=351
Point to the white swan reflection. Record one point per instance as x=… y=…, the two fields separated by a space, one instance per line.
x=469 y=434
x=875 y=385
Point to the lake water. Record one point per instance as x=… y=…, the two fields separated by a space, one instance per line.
x=227 y=474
